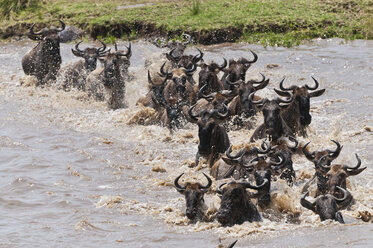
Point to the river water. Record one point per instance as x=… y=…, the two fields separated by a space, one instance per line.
x=75 y=174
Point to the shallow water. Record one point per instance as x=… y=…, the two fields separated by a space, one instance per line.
x=75 y=174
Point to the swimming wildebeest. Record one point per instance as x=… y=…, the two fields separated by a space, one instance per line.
x=297 y=115
x=327 y=206
x=74 y=74
x=44 y=60
x=236 y=206
x=194 y=192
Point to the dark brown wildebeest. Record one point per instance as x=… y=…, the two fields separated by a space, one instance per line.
x=107 y=83
x=237 y=70
x=262 y=169
x=74 y=75
x=179 y=46
x=234 y=165
x=213 y=138
x=274 y=125
x=185 y=61
x=241 y=104
x=327 y=206
x=297 y=115
x=321 y=166
x=208 y=81
x=44 y=60
x=174 y=113
x=338 y=173
x=194 y=192
x=236 y=206
x=181 y=85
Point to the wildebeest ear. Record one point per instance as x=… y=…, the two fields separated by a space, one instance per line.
x=317 y=93
x=355 y=172
x=281 y=93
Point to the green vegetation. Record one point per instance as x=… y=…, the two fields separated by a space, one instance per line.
x=7 y=7
x=270 y=22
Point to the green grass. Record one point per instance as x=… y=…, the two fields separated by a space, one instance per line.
x=281 y=22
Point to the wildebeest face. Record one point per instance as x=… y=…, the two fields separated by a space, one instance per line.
x=272 y=118
x=193 y=193
x=237 y=69
x=205 y=124
x=110 y=62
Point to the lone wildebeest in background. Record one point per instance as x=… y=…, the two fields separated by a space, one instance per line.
x=44 y=60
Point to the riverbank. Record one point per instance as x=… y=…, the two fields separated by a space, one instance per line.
x=269 y=22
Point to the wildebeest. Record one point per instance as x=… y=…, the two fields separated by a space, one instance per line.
x=185 y=61
x=107 y=83
x=194 y=192
x=297 y=115
x=236 y=70
x=44 y=60
x=322 y=166
x=338 y=173
x=236 y=206
x=274 y=125
x=213 y=138
x=74 y=75
x=327 y=206
x=241 y=104
x=208 y=81
x=179 y=46
x=235 y=165
x=174 y=113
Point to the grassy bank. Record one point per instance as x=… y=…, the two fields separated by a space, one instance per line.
x=282 y=22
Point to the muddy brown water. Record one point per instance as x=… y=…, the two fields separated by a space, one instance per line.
x=75 y=174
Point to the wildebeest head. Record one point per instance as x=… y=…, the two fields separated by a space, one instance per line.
x=338 y=174
x=185 y=61
x=174 y=113
x=193 y=193
x=90 y=54
x=273 y=122
x=208 y=81
x=207 y=120
x=327 y=155
x=157 y=89
x=112 y=62
x=236 y=206
x=179 y=46
x=244 y=90
x=302 y=97
x=237 y=69
x=327 y=206
x=48 y=36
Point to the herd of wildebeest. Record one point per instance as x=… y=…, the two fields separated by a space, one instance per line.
x=210 y=102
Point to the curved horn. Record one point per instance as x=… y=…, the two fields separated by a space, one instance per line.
x=262 y=84
x=171 y=53
x=208 y=184
x=63 y=25
x=357 y=165
x=191 y=70
x=314 y=87
x=265 y=148
x=165 y=74
x=278 y=165
x=259 y=82
x=309 y=156
x=103 y=48
x=245 y=61
x=150 y=81
x=345 y=200
x=293 y=87
x=221 y=67
x=238 y=82
x=77 y=47
x=219 y=190
x=307 y=204
x=190 y=112
x=280 y=100
x=251 y=98
x=177 y=185
x=239 y=154
x=258 y=187
x=295 y=141
x=224 y=114
x=231 y=245
x=127 y=54
x=197 y=57
x=32 y=30
x=334 y=154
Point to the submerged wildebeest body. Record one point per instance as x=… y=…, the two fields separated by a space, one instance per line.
x=297 y=115
x=107 y=83
x=184 y=61
x=194 y=192
x=322 y=166
x=236 y=206
x=327 y=206
x=236 y=70
x=274 y=125
x=44 y=60
x=74 y=75
x=213 y=138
